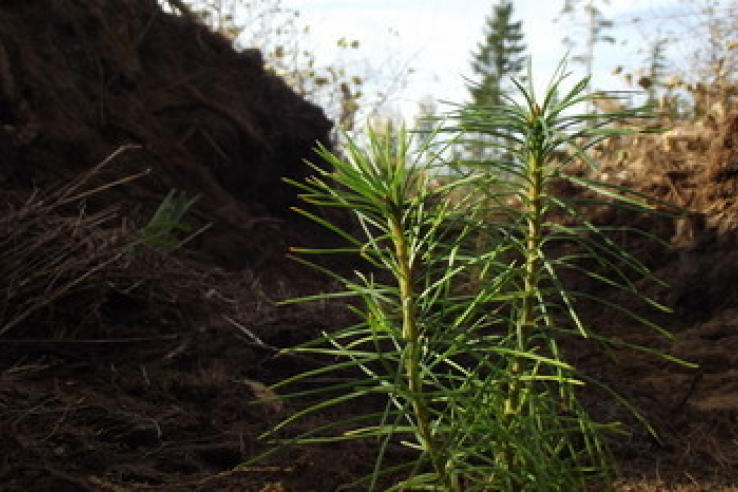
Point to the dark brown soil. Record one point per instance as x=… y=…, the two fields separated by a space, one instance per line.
x=123 y=368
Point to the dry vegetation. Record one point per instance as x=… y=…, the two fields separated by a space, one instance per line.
x=691 y=165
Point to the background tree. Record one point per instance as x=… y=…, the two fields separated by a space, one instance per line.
x=596 y=26
x=500 y=56
x=691 y=57
x=657 y=70
x=658 y=81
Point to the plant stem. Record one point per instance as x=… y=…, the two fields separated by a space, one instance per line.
x=534 y=217
x=411 y=335
x=534 y=208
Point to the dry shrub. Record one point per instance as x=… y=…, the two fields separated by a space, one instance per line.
x=694 y=165
x=687 y=165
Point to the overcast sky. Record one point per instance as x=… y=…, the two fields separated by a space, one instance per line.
x=436 y=37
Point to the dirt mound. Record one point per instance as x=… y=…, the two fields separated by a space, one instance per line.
x=80 y=78
x=125 y=367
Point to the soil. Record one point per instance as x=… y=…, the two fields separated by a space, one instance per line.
x=125 y=368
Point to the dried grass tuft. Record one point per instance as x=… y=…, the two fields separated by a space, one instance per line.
x=71 y=272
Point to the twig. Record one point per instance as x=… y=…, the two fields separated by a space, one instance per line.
x=278 y=352
x=64 y=199
x=104 y=187
x=251 y=335
x=690 y=391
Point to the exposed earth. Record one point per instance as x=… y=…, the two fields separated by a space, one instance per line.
x=126 y=368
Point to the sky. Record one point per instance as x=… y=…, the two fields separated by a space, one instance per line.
x=436 y=38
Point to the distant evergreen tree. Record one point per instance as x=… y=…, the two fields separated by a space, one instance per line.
x=658 y=64
x=500 y=56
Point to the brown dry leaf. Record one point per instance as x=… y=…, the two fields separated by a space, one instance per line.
x=264 y=395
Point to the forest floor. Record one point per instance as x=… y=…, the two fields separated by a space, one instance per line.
x=171 y=405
